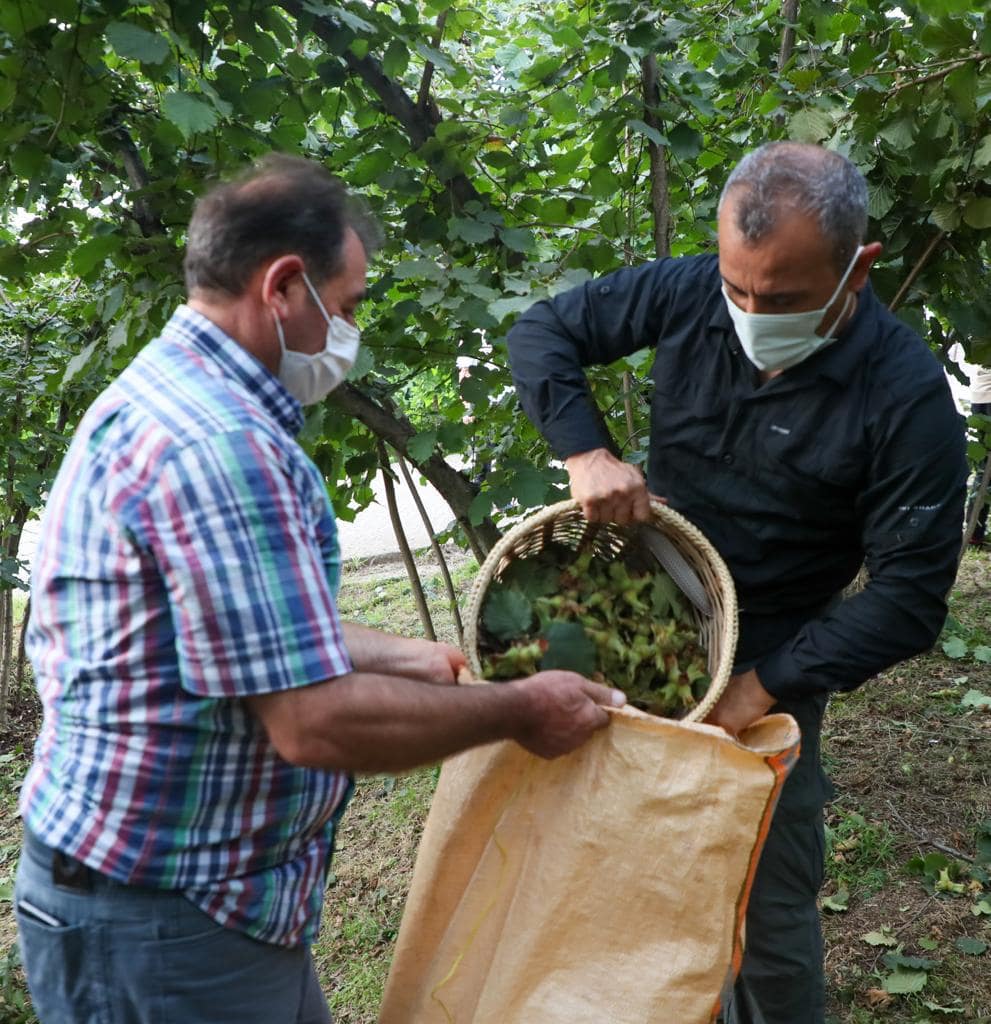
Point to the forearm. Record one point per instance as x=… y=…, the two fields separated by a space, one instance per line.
x=887 y=622
x=372 y=650
x=367 y=722
x=592 y=324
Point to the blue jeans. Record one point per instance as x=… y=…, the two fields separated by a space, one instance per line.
x=98 y=952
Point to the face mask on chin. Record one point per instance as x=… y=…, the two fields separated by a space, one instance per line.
x=310 y=378
x=776 y=341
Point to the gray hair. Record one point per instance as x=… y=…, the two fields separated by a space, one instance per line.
x=283 y=204
x=783 y=176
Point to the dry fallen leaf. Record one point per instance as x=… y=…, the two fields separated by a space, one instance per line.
x=878 y=998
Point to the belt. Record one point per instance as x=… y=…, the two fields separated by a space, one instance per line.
x=67 y=872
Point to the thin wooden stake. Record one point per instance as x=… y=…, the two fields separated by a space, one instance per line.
x=404 y=549
x=452 y=596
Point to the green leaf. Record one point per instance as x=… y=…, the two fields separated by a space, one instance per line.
x=480 y=507
x=912 y=963
x=977 y=213
x=981 y=907
x=972 y=947
x=529 y=487
x=421 y=446
x=686 y=142
x=880 y=938
x=603 y=183
x=563 y=107
x=936 y=1008
x=78 y=362
x=665 y=597
x=975 y=699
x=338 y=13
x=92 y=252
x=880 y=200
x=395 y=60
x=27 y=159
x=902 y=982
x=982 y=155
x=8 y=90
x=507 y=613
x=900 y=134
x=642 y=128
x=810 y=125
x=470 y=230
x=982 y=653
x=838 y=902
x=517 y=239
x=406 y=269
x=955 y=647
x=501 y=308
x=961 y=85
x=188 y=113
x=946 y=216
x=136 y=43
x=532 y=576
x=568 y=647
x=984 y=842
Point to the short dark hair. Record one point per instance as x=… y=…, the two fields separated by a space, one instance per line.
x=282 y=204
x=798 y=176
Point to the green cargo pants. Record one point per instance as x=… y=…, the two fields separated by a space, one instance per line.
x=782 y=980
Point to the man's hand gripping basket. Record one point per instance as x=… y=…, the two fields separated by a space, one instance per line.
x=669 y=542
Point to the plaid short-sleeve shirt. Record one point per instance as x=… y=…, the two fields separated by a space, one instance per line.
x=188 y=558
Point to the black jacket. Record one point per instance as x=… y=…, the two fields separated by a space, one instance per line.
x=856 y=453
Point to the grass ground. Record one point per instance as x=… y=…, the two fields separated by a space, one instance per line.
x=907 y=903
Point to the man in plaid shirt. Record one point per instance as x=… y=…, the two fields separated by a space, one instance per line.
x=204 y=704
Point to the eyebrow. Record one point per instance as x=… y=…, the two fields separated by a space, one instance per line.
x=764 y=295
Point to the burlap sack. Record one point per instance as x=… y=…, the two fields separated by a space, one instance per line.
x=606 y=887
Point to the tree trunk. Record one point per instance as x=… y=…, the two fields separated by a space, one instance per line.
x=789 y=14
x=10 y=541
x=659 y=201
x=980 y=497
x=6 y=649
x=21 y=650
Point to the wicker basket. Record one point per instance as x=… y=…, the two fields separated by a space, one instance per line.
x=564 y=524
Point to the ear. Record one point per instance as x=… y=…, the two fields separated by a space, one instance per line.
x=273 y=283
x=862 y=268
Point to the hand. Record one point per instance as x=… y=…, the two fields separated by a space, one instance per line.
x=435 y=662
x=743 y=701
x=563 y=709
x=608 y=490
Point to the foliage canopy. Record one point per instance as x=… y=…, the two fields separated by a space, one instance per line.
x=510 y=149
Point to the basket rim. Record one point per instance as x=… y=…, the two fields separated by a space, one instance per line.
x=669 y=522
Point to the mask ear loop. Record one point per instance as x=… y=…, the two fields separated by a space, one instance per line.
x=846 y=304
x=316 y=298
x=279 y=332
x=839 y=319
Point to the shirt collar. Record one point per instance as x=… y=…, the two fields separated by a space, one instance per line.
x=837 y=361
x=187 y=326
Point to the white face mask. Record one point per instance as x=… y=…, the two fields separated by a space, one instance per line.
x=310 y=378
x=775 y=341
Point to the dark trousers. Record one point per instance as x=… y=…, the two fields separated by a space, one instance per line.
x=98 y=952
x=782 y=979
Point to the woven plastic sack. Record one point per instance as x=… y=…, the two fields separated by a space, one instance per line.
x=605 y=887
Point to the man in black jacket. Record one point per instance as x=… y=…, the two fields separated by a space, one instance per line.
x=804 y=430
